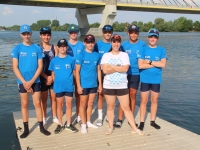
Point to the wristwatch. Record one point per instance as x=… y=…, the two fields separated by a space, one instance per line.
x=150 y=61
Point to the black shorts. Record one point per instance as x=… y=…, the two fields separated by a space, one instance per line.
x=45 y=87
x=133 y=81
x=117 y=92
x=36 y=88
x=153 y=87
x=87 y=91
x=70 y=94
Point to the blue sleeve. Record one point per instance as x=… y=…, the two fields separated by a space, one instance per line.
x=73 y=64
x=40 y=52
x=164 y=54
x=15 y=52
x=51 y=65
x=122 y=48
x=96 y=48
x=79 y=59
x=99 y=59
x=140 y=53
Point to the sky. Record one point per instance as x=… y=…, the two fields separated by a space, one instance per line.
x=16 y=15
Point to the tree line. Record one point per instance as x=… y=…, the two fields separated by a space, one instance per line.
x=181 y=24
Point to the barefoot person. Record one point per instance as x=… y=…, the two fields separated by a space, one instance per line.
x=62 y=67
x=50 y=51
x=75 y=48
x=132 y=48
x=88 y=72
x=27 y=66
x=102 y=47
x=151 y=62
x=115 y=64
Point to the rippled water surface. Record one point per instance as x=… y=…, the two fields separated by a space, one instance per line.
x=179 y=101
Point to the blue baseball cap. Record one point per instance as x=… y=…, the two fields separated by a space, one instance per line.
x=133 y=28
x=25 y=28
x=73 y=28
x=107 y=28
x=153 y=32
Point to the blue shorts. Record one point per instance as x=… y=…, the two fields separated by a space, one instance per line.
x=133 y=81
x=36 y=88
x=70 y=94
x=87 y=91
x=45 y=87
x=153 y=87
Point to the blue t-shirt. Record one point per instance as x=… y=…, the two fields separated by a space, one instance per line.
x=132 y=49
x=28 y=57
x=75 y=49
x=152 y=75
x=88 y=71
x=63 y=71
x=102 y=47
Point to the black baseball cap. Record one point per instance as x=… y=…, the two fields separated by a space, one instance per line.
x=62 y=42
x=133 y=28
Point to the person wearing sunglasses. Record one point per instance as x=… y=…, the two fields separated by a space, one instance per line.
x=50 y=51
x=132 y=47
x=102 y=47
x=115 y=65
x=62 y=68
x=27 y=66
x=151 y=61
x=75 y=48
x=88 y=72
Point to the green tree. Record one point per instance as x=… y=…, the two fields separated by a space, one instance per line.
x=184 y=25
x=159 y=24
x=134 y=22
x=55 y=23
x=95 y=25
x=43 y=23
x=34 y=27
x=196 y=26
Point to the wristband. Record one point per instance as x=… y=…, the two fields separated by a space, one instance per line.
x=150 y=61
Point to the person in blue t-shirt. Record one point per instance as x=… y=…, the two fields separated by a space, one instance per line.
x=132 y=47
x=88 y=72
x=75 y=48
x=151 y=61
x=62 y=68
x=27 y=65
x=102 y=47
x=50 y=51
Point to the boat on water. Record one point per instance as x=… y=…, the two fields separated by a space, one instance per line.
x=2 y=30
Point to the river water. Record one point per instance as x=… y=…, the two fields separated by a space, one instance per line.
x=179 y=101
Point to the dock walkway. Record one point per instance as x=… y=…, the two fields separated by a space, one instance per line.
x=169 y=137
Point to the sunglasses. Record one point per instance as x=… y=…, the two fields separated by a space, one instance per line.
x=89 y=37
x=116 y=37
x=154 y=31
x=45 y=29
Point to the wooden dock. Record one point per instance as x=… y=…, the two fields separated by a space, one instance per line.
x=169 y=137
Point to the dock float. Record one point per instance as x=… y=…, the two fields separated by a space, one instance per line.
x=169 y=137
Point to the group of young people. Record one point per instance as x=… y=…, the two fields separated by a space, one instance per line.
x=107 y=67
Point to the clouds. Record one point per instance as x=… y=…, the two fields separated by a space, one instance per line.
x=7 y=11
x=36 y=11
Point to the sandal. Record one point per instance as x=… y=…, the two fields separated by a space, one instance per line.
x=138 y=131
x=109 y=132
x=118 y=124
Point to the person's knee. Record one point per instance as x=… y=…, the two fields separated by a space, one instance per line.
x=69 y=105
x=37 y=104
x=90 y=103
x=126 y=108
x=24 y=105
x=110 y=107
x=154 y=101
x=143 y=102
x=59 y=105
